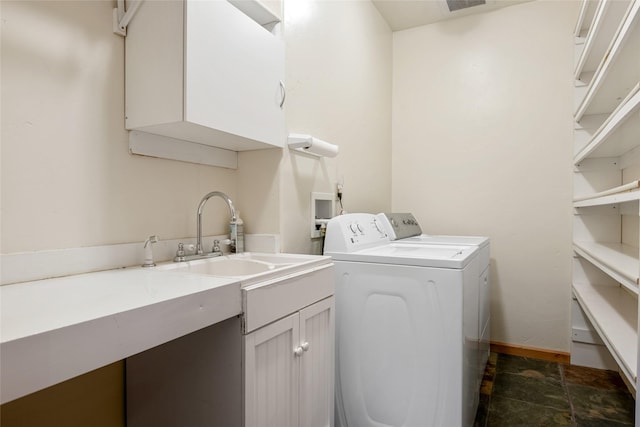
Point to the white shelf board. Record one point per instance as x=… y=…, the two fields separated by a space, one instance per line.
x=619 y=70
x=258 y=12
x=577 y=51
x=581 y=87
x=585 y=17
x=619 y=132
x=618 y=260
x=614 y=314
x=610 y=199
x=601 y=32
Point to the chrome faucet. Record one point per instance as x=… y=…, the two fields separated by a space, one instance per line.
x=199 y=225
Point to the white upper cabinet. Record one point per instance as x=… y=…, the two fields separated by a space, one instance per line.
x=206 y=72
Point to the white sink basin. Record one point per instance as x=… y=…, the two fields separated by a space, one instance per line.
x=276 y=259
x=245 y=265
x=221 y=266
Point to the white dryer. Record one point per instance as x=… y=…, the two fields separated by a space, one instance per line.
x=400 y=329
x=403 y=227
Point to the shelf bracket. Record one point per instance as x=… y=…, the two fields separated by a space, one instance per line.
x=122 y=17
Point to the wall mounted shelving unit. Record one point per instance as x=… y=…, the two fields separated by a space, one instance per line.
x=606 y=165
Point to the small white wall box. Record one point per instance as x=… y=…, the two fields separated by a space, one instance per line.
x=322 y=209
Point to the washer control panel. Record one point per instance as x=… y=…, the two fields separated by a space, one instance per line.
x=400 y=225
x=351 y=232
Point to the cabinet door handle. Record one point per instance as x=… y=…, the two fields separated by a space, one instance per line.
x=298 y=351
x=283 y=93
x=305 y=346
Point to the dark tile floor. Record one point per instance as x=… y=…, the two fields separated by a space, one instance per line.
x=519 y=391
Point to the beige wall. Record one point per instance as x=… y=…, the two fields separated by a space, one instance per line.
x=68 y=179
x=339 y=90
x=482 y=124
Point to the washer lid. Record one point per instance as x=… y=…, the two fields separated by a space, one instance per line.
x=424 y=255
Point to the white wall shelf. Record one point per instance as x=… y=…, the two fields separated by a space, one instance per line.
x=612 y=199
x=601 y=31
x=587 y=12
x=618 y=71
x=618 y=260
x=606 y=166
x=621 y=194
x=614 y=314
x=618 y=134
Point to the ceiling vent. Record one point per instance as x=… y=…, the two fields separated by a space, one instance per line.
x=463 y=4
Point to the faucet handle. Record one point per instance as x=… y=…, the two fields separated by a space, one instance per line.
x=180 y=254
x=216 y=245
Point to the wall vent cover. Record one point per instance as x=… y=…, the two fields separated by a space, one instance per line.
x=463 y=4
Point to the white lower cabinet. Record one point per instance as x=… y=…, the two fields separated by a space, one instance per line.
x=289 y=370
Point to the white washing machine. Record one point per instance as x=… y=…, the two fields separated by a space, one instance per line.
x=403 y=227
x=401 y=338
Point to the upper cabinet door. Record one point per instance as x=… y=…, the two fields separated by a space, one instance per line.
x=234 y=72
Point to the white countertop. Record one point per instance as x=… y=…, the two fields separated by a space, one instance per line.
x=53 y=330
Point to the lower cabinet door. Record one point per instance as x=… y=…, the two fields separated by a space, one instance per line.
x=289 y=370
x=271 y=375
x=317 y=364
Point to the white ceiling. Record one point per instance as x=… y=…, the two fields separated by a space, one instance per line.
x=403 y=14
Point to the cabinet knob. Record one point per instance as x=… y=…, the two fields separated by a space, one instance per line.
x=298 y=351
x=305 y=346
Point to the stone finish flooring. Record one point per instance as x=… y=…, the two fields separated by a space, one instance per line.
x=519 y=391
